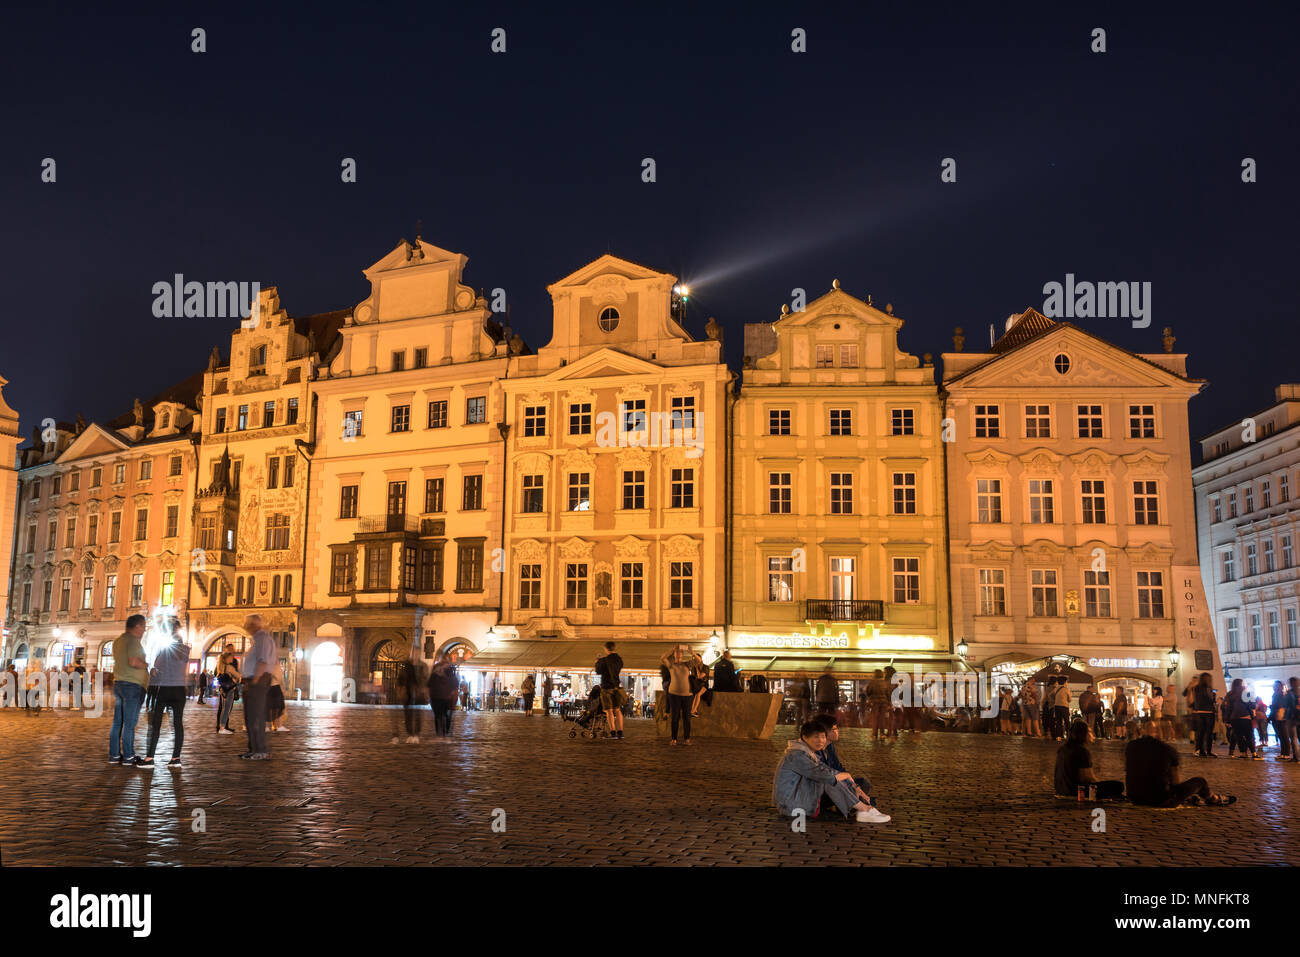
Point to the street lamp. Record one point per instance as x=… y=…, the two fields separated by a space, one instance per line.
x=962 y=649
x=1174 y=657
x=56 y=631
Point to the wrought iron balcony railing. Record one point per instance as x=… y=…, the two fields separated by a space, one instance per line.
x=844 y=609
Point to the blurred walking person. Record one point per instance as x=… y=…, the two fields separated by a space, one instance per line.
x=228 y=678
x=255 y=687
x=167 y=679
x=443 y=687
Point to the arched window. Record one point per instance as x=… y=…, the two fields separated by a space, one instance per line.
x=288 y=588
x=275 y=590
x=239 y=591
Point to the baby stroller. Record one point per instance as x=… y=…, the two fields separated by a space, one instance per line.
x=592 y=723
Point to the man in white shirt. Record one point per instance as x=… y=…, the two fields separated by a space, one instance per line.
x=259 y=659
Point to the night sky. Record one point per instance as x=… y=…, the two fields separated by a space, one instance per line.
x=775 y=170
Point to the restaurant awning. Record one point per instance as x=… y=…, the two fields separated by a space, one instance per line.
x=577 y=656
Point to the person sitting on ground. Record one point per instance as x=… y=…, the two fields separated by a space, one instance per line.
x=801 y=779
x=830 y=757
x=1151 y=776
x=1074 y=767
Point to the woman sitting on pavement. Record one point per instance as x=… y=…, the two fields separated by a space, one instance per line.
x=802 y=778
x=1074 y=767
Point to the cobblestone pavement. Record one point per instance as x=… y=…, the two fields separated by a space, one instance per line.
x=338 y=793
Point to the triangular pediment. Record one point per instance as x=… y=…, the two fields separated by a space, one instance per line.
x=94 y=441
x=605 y=363
x=1089 y=362
x=607 y=265
x=419 y=253
x=837 y=304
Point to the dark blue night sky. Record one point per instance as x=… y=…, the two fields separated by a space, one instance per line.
x=775 y=170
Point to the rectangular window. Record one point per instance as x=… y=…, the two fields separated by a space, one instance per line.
x=348 y=501
x=289 y=461
x=27 y=598
x=530 y=586
x=778 y=422
x=433 y=494
x=1288 y=556
x=1090 y=419
x=1256 y=634
x=421 y=358
x=31 y=537
x=47 y=594
x=580 y=418
x=841 y=493
x=92 y=530
x=399 y=361
x=221 y=420
x=96 y=478
x=469 y=567
x=74 y=482
x=534 y=421
x=173 y=521
x=174 y=467
x=168 y=588
x=1151 y=594
x=141 y=524
x=268 y=414
x=438 y=414
x=1292 y=629
x=119 y=474
x=1274 y=633
x=1146 y=508
x=378 y=567
x=632 y=415
x=1094 y=501
x=904 y=493
x=352 y=424
x=56 y=483
x=431 y=569
x=396 y=498
x=682 y=488
x=65 y=594
x=1218 y=510
x=988 y=422
x=146 y=469
x=52 y=539
x=780 y=578
x=779 y=491
x=825 y=356
x=993 y=591
x=575 y=585
x=634 y=488
x=631 y=585
x=841 y=422
x=88 y=594
x=534 y=494
x=683 y=412
x=241 y=422
x=681 y=584
x=291 y=412
x=110 y=591
x=273 y=472
x=1268 y=554
x=207 y=533
x=1042 y=591
x=70 y=533
x=476 y=410
x=843 y=571
x=1141 y=421
x=1041 y=502
x=579 y=491
x=1096 y=594
x=902 y=422
x=848 y=356
x=1232 y=505
x=907 y=581
x=1229 y=559
x=1265 y=494
x=343 y=572
x=988 y=501
x=1038 y=422
x=472 y=494
x=1283 y=489
x=277 y=532
x=114 y=527
x=1252 y=563
x=410 y=557
x=1248 y=500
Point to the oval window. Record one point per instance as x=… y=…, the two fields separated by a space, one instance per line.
x=1062 y=363
x=608 y=319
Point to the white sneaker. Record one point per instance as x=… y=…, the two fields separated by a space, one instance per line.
x=395 y=740
x=413 y=739
x=282 y=728
x=225 y=731
x=871 y=816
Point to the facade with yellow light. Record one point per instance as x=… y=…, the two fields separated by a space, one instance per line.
x=10 y=439
x=838 y=515
x=1070 y=506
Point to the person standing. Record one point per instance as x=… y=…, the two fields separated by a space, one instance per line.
x=1156 y=710
x=275 y=701
x=130 y=678
x=228 y=682
x=255 y=686
x=547 y=687
x=528 y=691
x=1090 y=708
x=1293 y=717
x=1241 y=716
x=1201 y=712
x=679 y=691
x=78 y=686
x=167 y=680
x=1029 y=708
x=203 y=685
x=1061 y=707
x=726 y=677
x=878 y=703
x=1261 y=722
x=609 y=665
x=1280 y=708
x=443 y=686
x=1121 y=713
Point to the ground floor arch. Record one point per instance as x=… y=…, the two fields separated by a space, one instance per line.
x=326 y=671
x=214 y=648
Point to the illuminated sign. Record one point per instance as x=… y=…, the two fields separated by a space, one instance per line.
x=1125 y=663
x=833 y=642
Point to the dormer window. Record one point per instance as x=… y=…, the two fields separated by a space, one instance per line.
x=608 y=320
x=166 y=420
x=258 y=357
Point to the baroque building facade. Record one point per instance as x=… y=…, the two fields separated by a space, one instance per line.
x=1070 y=508
x=1248 y=522
x=614 y=501
x=838 y=516
x=102 y=530
x=405 y=506
x=10 y=439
